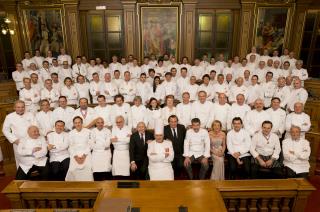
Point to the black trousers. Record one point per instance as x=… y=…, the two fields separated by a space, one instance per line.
x=142 y=170
x=292 y=174
x=203 y=168
x=275 y=173
x=178 y=167
x=35 y=173
x=233 y=167
x=59 y=169
x=100 y=176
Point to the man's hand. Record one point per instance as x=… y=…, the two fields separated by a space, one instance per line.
x=16 y=142
x=269 y=163
x=36 y=149
x=261 y=162
x=204 y=161
x=133 y=167
x=115 y=139
x=236 y=154
x=51 y=146
x=187 y=162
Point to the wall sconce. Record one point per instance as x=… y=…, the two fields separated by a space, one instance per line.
x=5 y=27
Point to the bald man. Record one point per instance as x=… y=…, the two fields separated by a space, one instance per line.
x=34 y=162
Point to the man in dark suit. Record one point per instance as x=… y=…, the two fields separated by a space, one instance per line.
x=176 y=133
x=138 y=152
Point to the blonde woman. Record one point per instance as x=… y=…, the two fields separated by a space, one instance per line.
x=217 y=148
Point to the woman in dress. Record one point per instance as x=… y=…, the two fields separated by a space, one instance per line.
x=217 y=148
x=154 y=112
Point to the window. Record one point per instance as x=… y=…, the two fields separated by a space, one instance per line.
x=310 y=46
x=105 y=34
x=214 y=33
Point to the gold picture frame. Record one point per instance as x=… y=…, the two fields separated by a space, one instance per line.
x=159 y=29
x=270 y=32
x=43 y=29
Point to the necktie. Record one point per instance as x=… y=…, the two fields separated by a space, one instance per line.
x=174 y=134
x=141 y=138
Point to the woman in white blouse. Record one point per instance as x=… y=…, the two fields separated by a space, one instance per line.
x=69 y=91
x=154 y=113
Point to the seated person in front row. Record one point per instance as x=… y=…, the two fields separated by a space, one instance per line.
x=58 y=144
x=33 y=162
x=238 y=144
x=265 y=150
x=196 y=148
x=161 y=154
x=296 y=153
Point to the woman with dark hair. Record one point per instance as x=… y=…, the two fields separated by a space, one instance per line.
x=154 y=112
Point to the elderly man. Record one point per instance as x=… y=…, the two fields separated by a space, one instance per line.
x=160 y=153
x=300 y=72
x=58 y=145
x=254 y=118
x=101 y=152
x=33 y=163
x=87 y=114
x=184 y=110
x=296 y=153
x=282 y=91
x=44 y=118
x=298 y=94
x=298 y=118
x=203 y=110
x=120 y=138
x=138 y=152
x=16 y=124
x=265 y=149
x=30 y=96
x=196 y=148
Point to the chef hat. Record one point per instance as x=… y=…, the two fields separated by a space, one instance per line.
x=158 y=128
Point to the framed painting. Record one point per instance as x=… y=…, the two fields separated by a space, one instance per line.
x=44 y=29
x=159 y=30
x=271 y=28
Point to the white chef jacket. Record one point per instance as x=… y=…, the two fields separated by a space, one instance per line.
x=278 y=119
x=204 y=112
x=197 y=71
x=105 y=113
x=114 y=66
x=221 y=113
x=109 y=90
x=65 y=115
x=254 y=92
x=265 y=146
x=80 y=144
x=153 y=117
x=101 y=153
x=239 y=142
x=254 y=119
x=60 y=141
x=44 y=74
x=297 y=95
x=55 y=69
x=128 y=90
x=64 y=57
x=124 y=111
x=78 y=70
x=18 y=78
x=166 y=112
x=193 y=91
x=144 y=90
x=52 y=96
x=299 y=161
x=64 y=73
x=28 y=158
x=138 y=115
x=237 y=111
x=169 y=88
x=91 y=70
x=26 y=63
x=160 y=167
x=49 y=59
x=268 y=90
x=283 y=94
x=71 y=94
x=301 y=120
x=45 y=122
x=57 y=86
x=209 y=90
x=94 y=88
x=235 y=90
x=197 y=144
x=87 y=116
x=183 y=112
x=83 y=90
x=135 y=72
x=33 y=104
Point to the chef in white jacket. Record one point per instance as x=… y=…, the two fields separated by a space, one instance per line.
x=277 y=117
x=64 y=113
x=238 y=109
x=138 y=112
x=143 y=89
x=50 y=94
x=87 y=114
x=127 y=88
x=82 y=87
x=121 y=108
x=95 y=87
x=282 y=91
x=58 y=144
x=298 y=94
x=15 y=126
x=44 y=118
x=203 y=110
x=18 y=76
x=298 y=118
x=103 y=110
x=296 y=153
x=80 y=168
x=30 y=96
x=101 y=153
x=254 y=118
x=221 y=110
x=120 y=138
x=238 y=144
x=183 y=110
x=33 y=163
x=109 y=89
x=160 y=154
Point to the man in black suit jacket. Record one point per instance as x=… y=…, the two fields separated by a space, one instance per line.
x=138 y=152
x=176 y=133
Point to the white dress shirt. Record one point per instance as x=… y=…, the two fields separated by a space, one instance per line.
x=265 y=145
x=197 y=144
